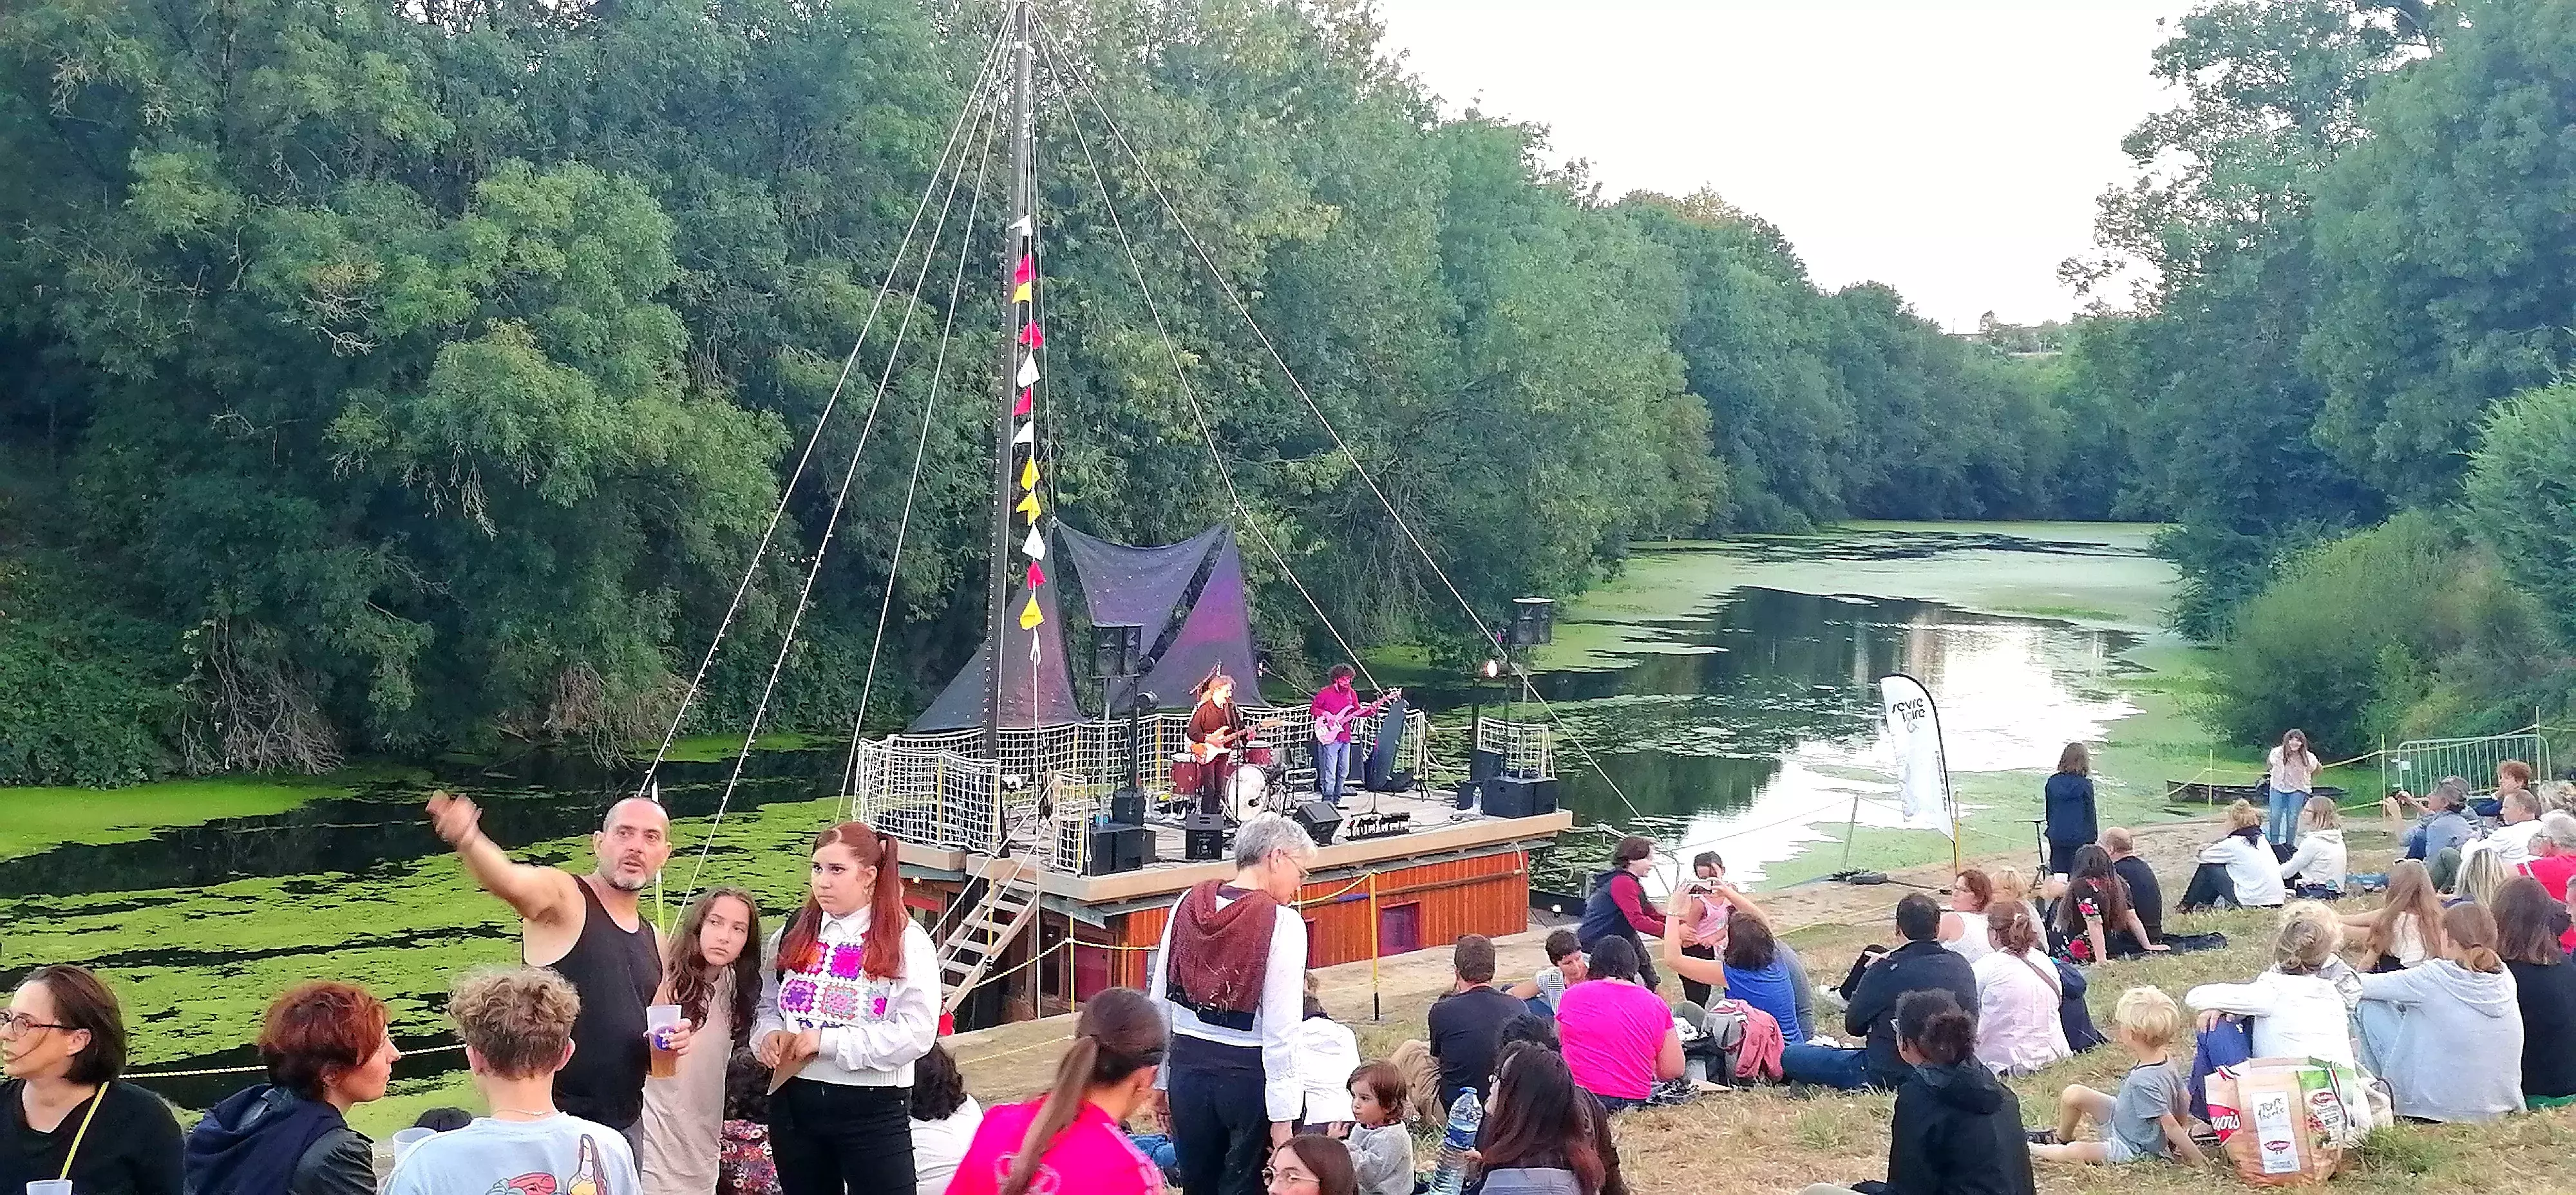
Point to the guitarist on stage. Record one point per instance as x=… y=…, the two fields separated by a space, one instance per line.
x=1334 y=709
x=1215 y=728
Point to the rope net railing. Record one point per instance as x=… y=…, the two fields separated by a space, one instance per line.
x=1526 y=748
x=946 y=789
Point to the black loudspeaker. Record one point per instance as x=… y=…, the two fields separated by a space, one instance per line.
x=1484 y=765
x=1117 y=648
x=1533 y=622
x=1202 y=836
x=1468 y=791
x=1127 y=806
x=1115 y=848
x=1511 y=796
x=1320 y=817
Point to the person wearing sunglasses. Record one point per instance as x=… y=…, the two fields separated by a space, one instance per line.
x=63 y=1115
x=1311 y=1165
x=1231 y=979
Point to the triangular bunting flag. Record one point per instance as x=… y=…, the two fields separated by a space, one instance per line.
x=1037 y=576
x=1034 y=547
x=1029 y=506
x=1021 y=407
x=1028 y=372
x=1022 y=226
x=1020 y=293
x=1029 y=474
x=1029 y=615
x=1028 y=434
x=1033 y=335
x=1028 y=269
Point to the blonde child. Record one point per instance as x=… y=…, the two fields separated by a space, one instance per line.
x=1381 y=1147
x=2150 y=1116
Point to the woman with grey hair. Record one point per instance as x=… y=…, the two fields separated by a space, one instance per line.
x=1230 y=978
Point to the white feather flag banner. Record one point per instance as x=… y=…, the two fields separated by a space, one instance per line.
x=1914 y=734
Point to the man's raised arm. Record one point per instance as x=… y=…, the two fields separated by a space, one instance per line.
x=540 y=894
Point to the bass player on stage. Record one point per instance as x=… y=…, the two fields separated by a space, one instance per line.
x=1334 y=709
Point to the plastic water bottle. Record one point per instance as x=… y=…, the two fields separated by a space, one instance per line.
x=1465 y=1114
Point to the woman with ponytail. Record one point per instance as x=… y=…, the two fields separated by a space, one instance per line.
x=1069 y=1139
x=1957 y=1131
x=849 y=999
x=2454 y=1049
x=2018 y=995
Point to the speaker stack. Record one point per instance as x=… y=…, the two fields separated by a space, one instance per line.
x=1515 y=796
x=1121 y=842
x=1320 y=817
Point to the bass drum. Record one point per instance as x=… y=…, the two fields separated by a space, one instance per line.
x=1248 y=796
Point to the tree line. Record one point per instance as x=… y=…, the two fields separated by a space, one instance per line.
x=415 y=376
x=2337 y=306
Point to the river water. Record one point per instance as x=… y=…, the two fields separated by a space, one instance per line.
x=1727 y=694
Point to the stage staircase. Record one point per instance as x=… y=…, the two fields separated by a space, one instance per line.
x=1001 y=901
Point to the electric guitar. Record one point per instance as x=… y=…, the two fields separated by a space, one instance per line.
x=1329 y=726
x=1222 y=742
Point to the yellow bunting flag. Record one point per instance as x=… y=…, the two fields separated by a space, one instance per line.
x=1029 y=474
x=1029 y=506
x=1020 y=293
x=1029 y=615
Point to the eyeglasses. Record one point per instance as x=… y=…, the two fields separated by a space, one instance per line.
x=15 y=1023
x=1273 y=1174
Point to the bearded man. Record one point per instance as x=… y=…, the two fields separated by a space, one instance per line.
x=591 y=930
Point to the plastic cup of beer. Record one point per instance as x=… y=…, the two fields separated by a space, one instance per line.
x=49 y=1186
x=659 y=1020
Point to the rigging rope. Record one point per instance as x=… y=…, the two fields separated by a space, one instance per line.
x=1197 y=413
x=840 y=500
x=786 y=491
x=903 y=529
x=1110 y=123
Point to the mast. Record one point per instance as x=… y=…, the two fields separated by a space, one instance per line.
x=1019 y=245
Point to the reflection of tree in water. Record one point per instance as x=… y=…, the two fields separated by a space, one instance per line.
x=1703 y=733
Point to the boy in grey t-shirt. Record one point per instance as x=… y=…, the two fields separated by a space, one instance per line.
x=517 y=1026
x=2150 y=1117
x=1565 y=967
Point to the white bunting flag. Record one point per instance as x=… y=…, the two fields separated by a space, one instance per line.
x=1034 y=547
x=1028 y=434
x=1022 y=226
x=1028 y=371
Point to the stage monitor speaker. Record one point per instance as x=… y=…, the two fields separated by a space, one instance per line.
x=1127 y=806
x=1320 y=817
x=1469 y=791
x=1115 y=848
x=1512 y=796
x=1202 y=836
x=1484 y=765
x=1117 y=648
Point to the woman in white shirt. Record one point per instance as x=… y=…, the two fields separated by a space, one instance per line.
x=2318 y=865
x=849 y=1000
x=944 y=1120
x=2298 y=1008
x=1964 y=927
x=2018 y=995
x=1327 y=1053
x=2252 y=869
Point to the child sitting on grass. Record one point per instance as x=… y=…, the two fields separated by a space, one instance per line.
x=2150 y=1116
x=1381 y=1145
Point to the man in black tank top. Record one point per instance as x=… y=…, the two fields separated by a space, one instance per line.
x=591 y=930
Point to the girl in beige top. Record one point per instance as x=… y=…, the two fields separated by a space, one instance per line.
x=714 y=976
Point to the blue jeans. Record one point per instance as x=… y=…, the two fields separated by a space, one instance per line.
x=1332 y=763
x=2283 y=824
x=1158 y=1149
x=1825 y=1066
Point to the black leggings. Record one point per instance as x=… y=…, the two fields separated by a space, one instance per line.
x=835 y=1139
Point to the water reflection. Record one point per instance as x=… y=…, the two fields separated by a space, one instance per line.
x=1758 y=718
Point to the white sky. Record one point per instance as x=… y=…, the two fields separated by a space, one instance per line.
x=1950 y=148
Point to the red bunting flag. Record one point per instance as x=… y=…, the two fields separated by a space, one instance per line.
x=1022 y=407
x=1032 y=336
x=1028 y=270
x=1037 y=576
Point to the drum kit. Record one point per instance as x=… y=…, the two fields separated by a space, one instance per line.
x=1251 y=779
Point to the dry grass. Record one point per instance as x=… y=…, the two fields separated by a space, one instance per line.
x=1775 y=1140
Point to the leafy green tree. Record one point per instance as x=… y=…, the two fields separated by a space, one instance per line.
x=2518 y=497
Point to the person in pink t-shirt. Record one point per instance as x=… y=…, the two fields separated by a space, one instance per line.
x=1069 y=1139
x=1704 y=917
x=1335 y=707
x=1619 y=1035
